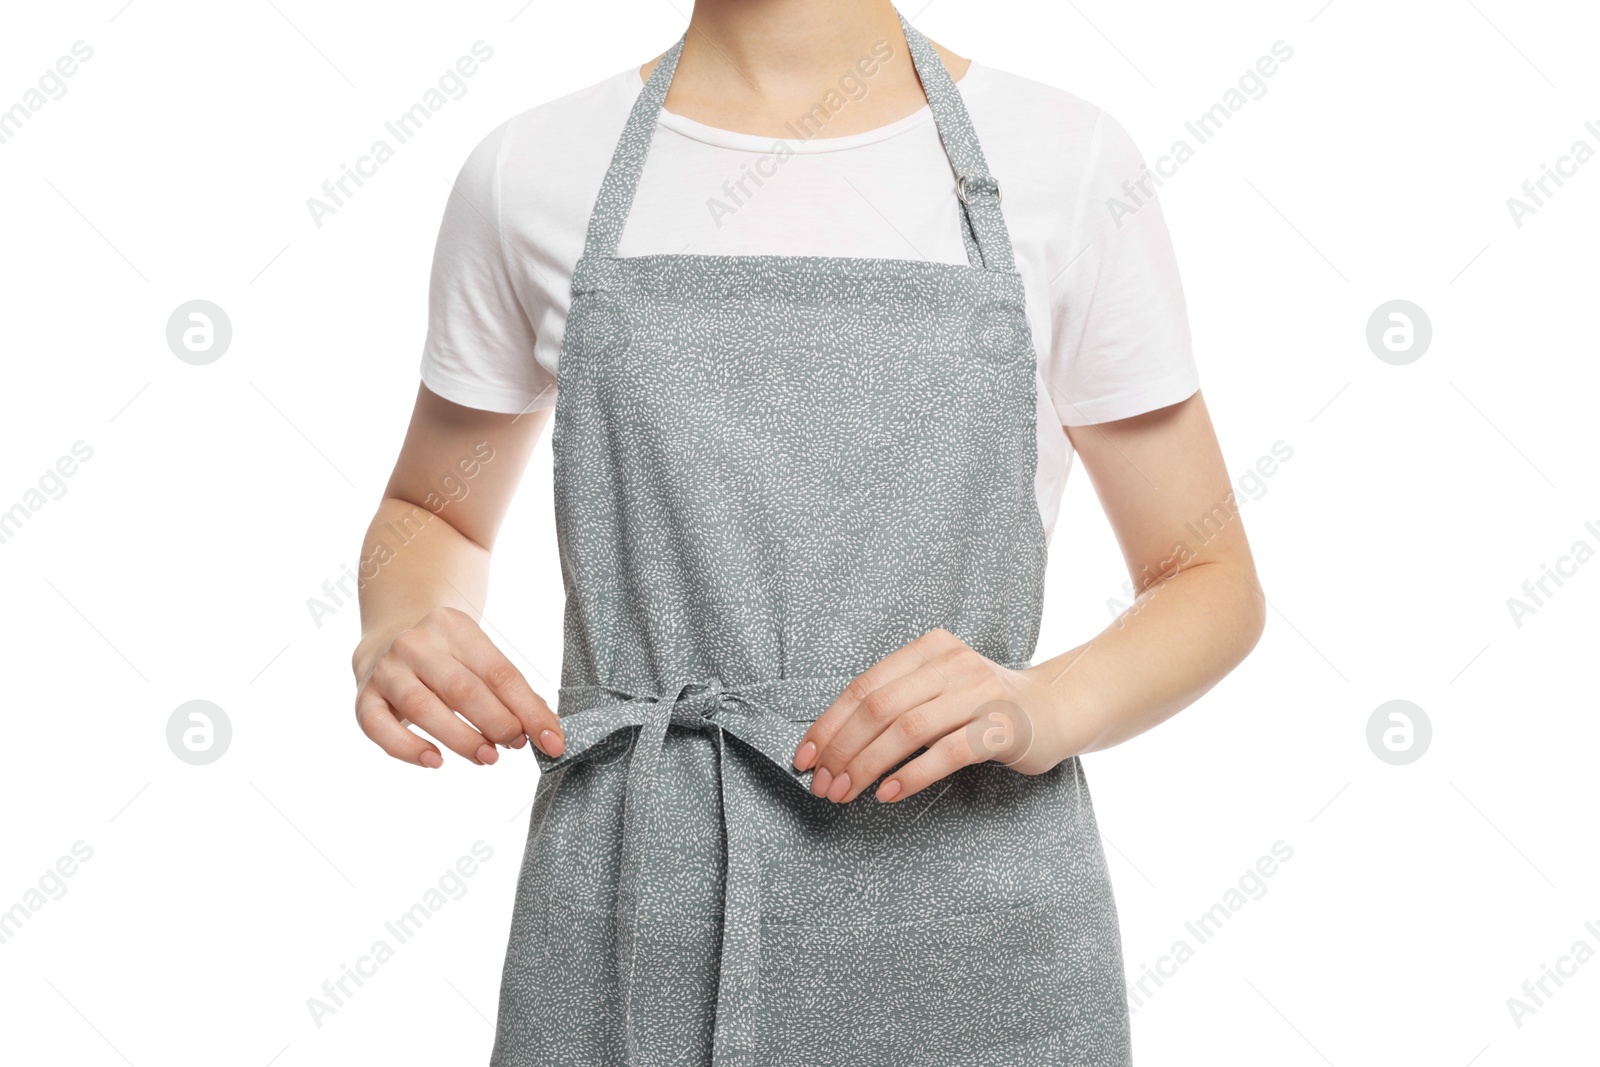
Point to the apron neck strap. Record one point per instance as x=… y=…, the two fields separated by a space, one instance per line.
x=982 y=225
x=983 y=228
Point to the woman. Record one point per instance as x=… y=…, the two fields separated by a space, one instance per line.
x=809 y=797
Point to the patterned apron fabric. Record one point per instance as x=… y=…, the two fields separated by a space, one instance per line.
x=770 y=472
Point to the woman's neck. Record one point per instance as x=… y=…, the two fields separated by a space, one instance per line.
x=753 y=66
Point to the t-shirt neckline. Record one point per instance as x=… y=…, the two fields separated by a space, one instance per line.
x=755 y=142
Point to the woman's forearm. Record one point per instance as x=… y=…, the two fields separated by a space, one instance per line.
x=1180 y=637
x=413 y=561
x=423 y=661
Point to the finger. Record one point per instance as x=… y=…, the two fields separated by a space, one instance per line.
x=474 y=649
x=458 y=689
x=872 y=716
x=379 y=722
x=415 y=702
x=916 y=728
x=946 y=756
x=901 y=661
x=821 y=732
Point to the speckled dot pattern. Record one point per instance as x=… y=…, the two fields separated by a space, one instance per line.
x=770 y=472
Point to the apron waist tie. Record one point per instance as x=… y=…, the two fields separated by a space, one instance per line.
x=770 y=717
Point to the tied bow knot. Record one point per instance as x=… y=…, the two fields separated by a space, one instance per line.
x=768 y=717
x=697 y=705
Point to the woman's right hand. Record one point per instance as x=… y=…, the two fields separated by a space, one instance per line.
x=446 y=662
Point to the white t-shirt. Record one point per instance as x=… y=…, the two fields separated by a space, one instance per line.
x=1103 y=294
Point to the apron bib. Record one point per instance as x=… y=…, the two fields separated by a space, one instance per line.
x=771 y=472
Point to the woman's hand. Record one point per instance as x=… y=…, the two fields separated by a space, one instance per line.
x=934 y=693
x=447 y=662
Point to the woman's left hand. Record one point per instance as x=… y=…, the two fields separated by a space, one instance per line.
x=934 y=693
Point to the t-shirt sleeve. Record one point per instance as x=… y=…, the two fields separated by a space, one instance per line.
x=480 y=345
x=1120 y=324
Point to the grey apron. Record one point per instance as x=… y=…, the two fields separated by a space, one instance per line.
x=770 y=472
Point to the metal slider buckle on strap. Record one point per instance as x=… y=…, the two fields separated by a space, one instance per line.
x=982 y=183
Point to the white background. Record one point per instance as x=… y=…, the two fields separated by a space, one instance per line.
x=218 y=499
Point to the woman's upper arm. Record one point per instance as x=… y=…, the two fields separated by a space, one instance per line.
x=484 y=398
x=1162 y=482
x=464 y=464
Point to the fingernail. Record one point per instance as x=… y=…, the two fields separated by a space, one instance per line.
x=804 y=755
x=841 y=786
x=551 y=742
x=820 y=780
x=522 y=739
x=432 y=759
x=889 y=790
x=487 y=754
